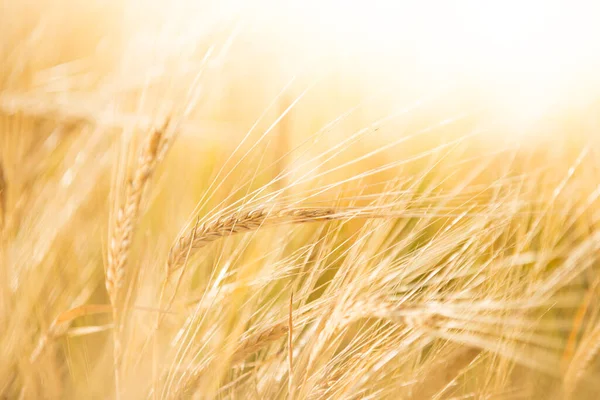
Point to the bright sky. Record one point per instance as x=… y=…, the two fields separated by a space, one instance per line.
x=530 y=55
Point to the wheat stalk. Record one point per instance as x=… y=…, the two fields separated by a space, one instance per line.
x=2 y=196
x=247 y=221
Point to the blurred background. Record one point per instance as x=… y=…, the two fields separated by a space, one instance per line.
x=437 y=106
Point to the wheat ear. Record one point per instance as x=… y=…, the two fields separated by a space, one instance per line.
x=121 y=234
x=239 y=222
x=259 y=340
x=127 y=215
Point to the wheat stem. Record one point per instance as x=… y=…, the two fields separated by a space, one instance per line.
x=2 y=196
x=291 y=348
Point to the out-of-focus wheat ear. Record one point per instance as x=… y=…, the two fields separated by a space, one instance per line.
x=248 y=346
x=127 y=213
x=435 y=382
x=121 y=233
x=259 y=340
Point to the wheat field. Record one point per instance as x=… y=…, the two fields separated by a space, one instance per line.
x=215 y=200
